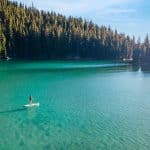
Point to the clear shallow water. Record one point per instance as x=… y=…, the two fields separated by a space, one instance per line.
x=83 y=105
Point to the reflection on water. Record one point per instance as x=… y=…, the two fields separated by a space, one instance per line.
x=145 y=67
x=135 y=67
x=142 y=67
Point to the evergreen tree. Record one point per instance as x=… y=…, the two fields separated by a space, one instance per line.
x=28 y=33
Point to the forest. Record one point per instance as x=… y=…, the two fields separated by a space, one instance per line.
x=27 y=33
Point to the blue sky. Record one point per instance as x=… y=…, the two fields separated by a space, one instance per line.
x=131 y=17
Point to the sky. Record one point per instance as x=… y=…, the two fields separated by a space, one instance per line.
x=131 y=17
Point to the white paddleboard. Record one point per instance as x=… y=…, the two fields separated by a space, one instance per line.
x=31 y=105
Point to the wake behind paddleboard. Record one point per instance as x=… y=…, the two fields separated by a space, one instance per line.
x=31 y=105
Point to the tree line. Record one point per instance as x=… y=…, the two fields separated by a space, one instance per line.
x=27 y=33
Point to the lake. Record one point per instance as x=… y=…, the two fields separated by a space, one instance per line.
x=83 y=106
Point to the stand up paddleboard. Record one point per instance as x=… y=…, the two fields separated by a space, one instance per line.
x=31 y=105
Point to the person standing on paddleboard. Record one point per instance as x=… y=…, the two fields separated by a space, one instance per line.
x=30 y=99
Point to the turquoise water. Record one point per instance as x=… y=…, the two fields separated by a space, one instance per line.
x=83 y=105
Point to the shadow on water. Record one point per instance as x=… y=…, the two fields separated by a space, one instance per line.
x=13 y=110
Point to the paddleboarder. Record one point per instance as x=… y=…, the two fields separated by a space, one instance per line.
x=30 y=99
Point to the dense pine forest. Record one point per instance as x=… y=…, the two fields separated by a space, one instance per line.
x=27 y=33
